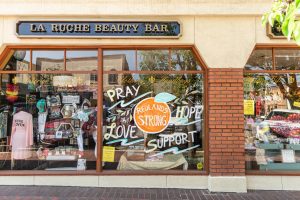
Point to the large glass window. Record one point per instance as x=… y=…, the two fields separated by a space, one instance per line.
x=48 y=121
x=152 y=110
x=154 y=121
x=272 y=114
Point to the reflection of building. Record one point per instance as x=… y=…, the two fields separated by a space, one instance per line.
x=48 y=64
x=112 y=63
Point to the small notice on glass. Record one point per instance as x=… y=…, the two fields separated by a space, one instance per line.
x=81 y=164
x=108 y=154
x=260 y=157
x=248 y=107
x=288 y=156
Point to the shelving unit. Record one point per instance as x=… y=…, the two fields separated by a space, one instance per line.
x=276 y=149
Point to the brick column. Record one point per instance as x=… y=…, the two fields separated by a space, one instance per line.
x=226 y=122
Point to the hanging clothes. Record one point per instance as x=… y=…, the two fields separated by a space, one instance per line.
x=3 y=124
x=42 y=116
x=21 y=135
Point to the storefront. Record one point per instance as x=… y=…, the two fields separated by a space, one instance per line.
x=192 y=98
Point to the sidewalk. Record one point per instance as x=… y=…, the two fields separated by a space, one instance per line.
x=79 y=193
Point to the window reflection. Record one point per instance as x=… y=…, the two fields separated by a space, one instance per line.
x=287 y=59
x=260 y=59
x=149 y=60
x=48 y=60
x=19 y=60
x=182 y=59
x=119 y=60
x=141 y=131
x=84 y=60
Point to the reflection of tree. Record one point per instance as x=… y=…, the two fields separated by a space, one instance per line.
x=153 y=60
x=260 y=60
x=288 y=87
x=188 y=88
x=286 y=83
x=184 y=60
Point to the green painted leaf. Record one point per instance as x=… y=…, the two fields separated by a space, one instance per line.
x=164 y=97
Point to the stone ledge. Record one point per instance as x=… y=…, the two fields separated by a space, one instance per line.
x=227 y=184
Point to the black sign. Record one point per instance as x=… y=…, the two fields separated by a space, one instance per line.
x=145 y=29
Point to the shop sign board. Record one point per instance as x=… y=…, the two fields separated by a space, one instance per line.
x=99 y=29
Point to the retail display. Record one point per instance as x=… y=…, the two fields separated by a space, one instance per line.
x=272 y=114
x=44 y=123
x=22 y=135
x=156 y=120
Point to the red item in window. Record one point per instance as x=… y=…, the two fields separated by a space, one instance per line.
x=258 y=107
x=12 y=92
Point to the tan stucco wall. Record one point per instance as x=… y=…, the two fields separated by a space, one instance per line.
x=224 y=32
x=132 y=7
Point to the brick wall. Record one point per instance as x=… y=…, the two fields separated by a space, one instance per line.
x=226 y=134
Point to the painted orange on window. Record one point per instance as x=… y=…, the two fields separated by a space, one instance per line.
x=151 y=116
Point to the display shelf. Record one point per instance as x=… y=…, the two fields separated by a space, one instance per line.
x=269 y=146
x=280 y=166
x=62 y=157
x=293 y=146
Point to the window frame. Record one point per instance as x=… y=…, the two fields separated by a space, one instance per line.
x=100 y=72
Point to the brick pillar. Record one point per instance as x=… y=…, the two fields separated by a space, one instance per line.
x=226 y=122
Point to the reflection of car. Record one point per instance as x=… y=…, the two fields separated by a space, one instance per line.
x=284 y=122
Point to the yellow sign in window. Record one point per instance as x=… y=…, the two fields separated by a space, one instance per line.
x=248 y=107
x=108 y=154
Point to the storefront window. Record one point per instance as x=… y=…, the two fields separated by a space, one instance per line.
x=154 y=121
x=43 y=119
x=47 y=120
x=272 y=116
x=152 y=112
